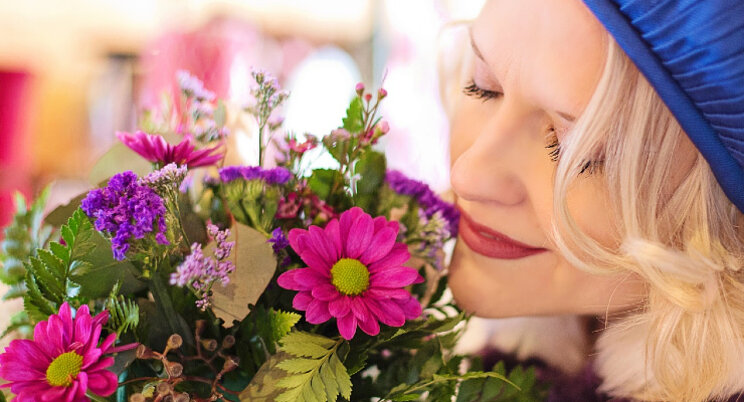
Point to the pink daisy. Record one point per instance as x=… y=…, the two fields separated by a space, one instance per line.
x=355 y=273
x=63 y=361
x=155 y=149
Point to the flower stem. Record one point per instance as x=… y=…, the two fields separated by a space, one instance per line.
x=166 y=309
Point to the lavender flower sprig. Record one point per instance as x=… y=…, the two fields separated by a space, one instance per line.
x=200 y=272
x=127 y=211
x=268 y=96
x=275 y=176
x=429 y=201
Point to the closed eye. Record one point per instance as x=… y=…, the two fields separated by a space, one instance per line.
x=477 y=92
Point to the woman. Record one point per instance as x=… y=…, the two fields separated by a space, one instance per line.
x=589 y=187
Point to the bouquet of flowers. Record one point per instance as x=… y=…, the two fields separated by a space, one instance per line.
x=191 y=280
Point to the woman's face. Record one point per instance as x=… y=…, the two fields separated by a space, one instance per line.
x=537 y=63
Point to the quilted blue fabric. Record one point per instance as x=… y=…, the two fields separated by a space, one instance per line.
x=692 y=52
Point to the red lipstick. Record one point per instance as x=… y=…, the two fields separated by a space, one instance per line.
x=490 y=243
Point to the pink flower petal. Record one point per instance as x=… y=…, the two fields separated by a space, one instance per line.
x=382 y=242
x=71 y=391
x=411 y=308
x=393 y=277
x=27 y=352
x=395 y=258
x=302 y=300
x=101 y=318
x=360 y=235
x=40 y=337
x=340 y=307
x=317 y=312
x=108 y=342
x=333 y=233
x=359 y=309
x=310 y=278
x=322 y=246
x=53 y=393
x=287 y=280
x=102 y=364
x=297 y=241
x=387 y=311
x=82 y=380
x=325 y=292
x=370 y=326
x=103 y=382
x=388 y=293
x=82 y=326
x=380 y=222
x=347 y=219
x=91 y=357
x=315 y=261
x=347 y=326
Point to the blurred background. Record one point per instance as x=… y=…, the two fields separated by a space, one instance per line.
x=73 y=72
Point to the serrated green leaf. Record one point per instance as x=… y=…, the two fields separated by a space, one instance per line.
x=300 y=365
x=354 y=118
x=342 y=377
x=306 y=344
x=318 y=389
x=295 y=381
x=59 y=251
x=282 y=323
x=409 y=397
x=328 y=377
x=55 y=265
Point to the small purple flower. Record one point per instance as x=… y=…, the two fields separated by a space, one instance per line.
x=170 y=174
x=201 y=272
x=126 y=210
x=428 y=200
x=277 y=176
x=278 y=240
x=192 y=86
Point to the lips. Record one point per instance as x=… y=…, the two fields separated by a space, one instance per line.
x=490 y=243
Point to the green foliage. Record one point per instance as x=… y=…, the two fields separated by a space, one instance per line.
x=371 y=170
x=315 y=373
x=405 y=392
x=324 y=181
x=259 y=334
x=22 y=237
x=124 y=313
x=525 y=389
x=354 y=120
x=82 y=268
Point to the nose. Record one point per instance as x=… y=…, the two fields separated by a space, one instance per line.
x=489 y=170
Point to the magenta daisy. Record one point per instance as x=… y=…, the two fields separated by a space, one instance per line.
x=354 y=273
x=63 y=361
x=155 y=149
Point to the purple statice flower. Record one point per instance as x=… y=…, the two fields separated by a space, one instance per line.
x=192 y=86
x=127 y=211
x=427 y=199
x=278 y=175
x=170 y=175
x=279 y=242
x=201 y=272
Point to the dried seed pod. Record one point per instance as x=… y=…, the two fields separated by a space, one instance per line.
x=144 y=353
x=228 y=342
x=209 y=344
x=231 y=363
x=174 y=369
x=184 y=397
x=137 y=398
x=175 y=341
x=164 y=388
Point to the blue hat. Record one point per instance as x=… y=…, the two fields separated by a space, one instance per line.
x=692 y=52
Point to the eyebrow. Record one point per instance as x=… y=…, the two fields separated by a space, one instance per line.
x=474 y=46
x=568 y=117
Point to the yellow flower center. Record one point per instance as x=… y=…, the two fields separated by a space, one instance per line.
x=350 y=276
x=64 y=369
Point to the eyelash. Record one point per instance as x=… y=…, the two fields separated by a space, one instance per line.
x=479 y=93
x=553 y=146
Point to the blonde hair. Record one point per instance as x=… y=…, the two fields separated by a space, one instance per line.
x=685 y=342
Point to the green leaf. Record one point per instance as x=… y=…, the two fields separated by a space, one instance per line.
x=342 y=377
x=263 y=387
x=281 y=323
x=322 y=182
x=305 y=344
x=62 y=213
x=371 y=169
x=353 y=122
x=124 y=314
x=255 y=265
x=118 y=159
x=299 y=365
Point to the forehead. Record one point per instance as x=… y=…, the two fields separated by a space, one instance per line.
x=545 y=49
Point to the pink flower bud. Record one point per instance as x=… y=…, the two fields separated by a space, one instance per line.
x=359 y=88
x=368 y=97
x=381 y=93
x=383 y=126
